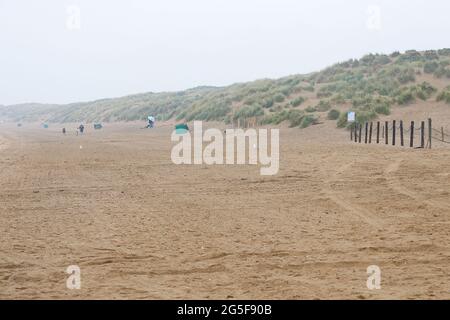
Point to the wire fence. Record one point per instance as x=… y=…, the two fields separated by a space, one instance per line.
x=442 y=135
x=398 y=132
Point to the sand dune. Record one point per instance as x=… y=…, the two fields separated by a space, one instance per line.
x=141 y=227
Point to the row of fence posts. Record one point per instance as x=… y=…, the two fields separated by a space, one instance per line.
x=356 y=133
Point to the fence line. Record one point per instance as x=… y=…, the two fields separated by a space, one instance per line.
x=382 y=130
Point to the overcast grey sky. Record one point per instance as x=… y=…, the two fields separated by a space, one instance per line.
x=57 y=51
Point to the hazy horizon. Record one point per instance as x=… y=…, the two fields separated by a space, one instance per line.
x=71 y=51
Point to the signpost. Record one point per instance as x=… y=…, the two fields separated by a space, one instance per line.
x=351 y=116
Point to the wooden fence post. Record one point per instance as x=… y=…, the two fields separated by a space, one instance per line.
x=386 y=132
x=365 y=132
x=360 y=132
x=356 y=132
x=378 y=131
x=401 y=133
x=370 y=132
x=351 y=133
x=393 y=132
x=422 y=134
x=430 y=133
x=411 y=137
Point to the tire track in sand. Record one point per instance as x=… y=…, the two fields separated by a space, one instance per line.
x=395 y=184
x=350 y=208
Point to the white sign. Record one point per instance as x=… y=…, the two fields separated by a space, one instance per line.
x=351 y=117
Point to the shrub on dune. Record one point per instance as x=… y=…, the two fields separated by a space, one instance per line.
x=430 y=67
x=383 y=109
x=333 y=114
x=444 y=52
x=267 y=103
x=310 y=109
x=342 y=121
x=295 y=118
x=444 y=95
x=408 y=95
x=297 y=101
x=323 y=106
x=307 y=121
x=279 y=97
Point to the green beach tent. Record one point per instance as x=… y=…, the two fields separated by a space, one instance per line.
x=181 y=128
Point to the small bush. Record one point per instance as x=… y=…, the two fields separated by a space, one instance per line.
x=444 y=95
x=383 y=109
x=338 y=99
x=405 y=97
x=295 y=118
x=249 y=101
x=430 y=67
x=444 y=52
x=406 y=75
x=323 y=106
x=365 y=116
x=333 y=114
x=267 y=103
x=431 y=55
x=309 y=88
x=297 y=101
x=442 y=71
x=248 y=112
x=410 y=56
x=279 y=97
x=424 y=90
x=381 y=59
x=307 y=121
x=310 y=109
x=342 y=121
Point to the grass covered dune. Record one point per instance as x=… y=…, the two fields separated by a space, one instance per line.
x=372 y=85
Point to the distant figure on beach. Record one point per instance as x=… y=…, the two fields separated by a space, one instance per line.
x=81 y=128
x=64 y=131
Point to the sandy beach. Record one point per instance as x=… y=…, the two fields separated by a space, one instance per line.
x=139 y=227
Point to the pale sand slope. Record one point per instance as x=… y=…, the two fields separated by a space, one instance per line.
x=141 y=227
